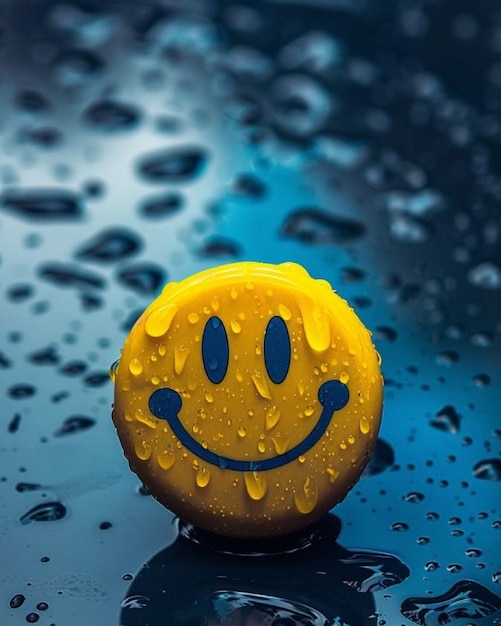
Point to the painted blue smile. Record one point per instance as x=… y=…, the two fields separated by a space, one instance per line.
x=166 y=403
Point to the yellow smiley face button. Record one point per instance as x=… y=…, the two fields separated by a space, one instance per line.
x=248 y=398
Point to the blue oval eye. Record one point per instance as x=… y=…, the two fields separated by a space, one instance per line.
x=215 y=350
x=277 y=349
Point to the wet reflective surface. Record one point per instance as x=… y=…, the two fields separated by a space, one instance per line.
x=142 y=142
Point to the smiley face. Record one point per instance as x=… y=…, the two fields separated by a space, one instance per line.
x=248 y=398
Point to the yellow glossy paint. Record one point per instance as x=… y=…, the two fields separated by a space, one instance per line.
x=242 y=423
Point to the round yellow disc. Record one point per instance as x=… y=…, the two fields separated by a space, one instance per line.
x=248 y=398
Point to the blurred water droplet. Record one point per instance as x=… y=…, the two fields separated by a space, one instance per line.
x=46 y=512
x=410 y=229
x=216 y=247
x=46 y=356
x=249 y=185
x=74 y=424
x=73 y=368
x=180 y=164
x=66 y=275
x=44 y=205
x=14 y=424
x=76 y=67
x=21 y=391
x=113 y=244
x=481 y=380
x=446 y=420
x=485 y=276
x=382 y=458
x=316 y=51
x=317 y=227
x=143 y=278
x=301 y=105
x=256 y=485
x=488 y=469
x=161 y=206
x=111 y=116
x=31 y=101
x=96 y=379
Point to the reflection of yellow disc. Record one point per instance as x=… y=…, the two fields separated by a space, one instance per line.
x=248 y=398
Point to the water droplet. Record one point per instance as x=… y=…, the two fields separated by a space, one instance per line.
x=202 y=477
x=110 y=245
x=17 y=601
x=410 y=229
x=414 y=496
x=46 y=512
x=143 y=278
x=111 y=116
x=193 y=318
x=485 y=276
x=145 y=418
x=272 y=418
x=364 y=425
x=306 y=498
x=488 y=469
x=242 y=432
x=431 y=566
x=76 y=67
x=179 y=164
x=180 y=355
x=316 y=327
x=261 y=446
x=21 y=391
x=14 y=423
x=400 y=526
x=381 y=459
x=66 y=275
x=162 y=206
x=333 y=474
x=280 y=442
x=32 y=618
x=43 y=204
x=135 y=367
x=216 y=247
x=142 y=449
x=284 y=312
x=446 y=420
x=166 y=459
x=135 y=602
x=256 y=485
x=236 y=327
x=45 y=356
x=159 y=320
x=112 y=371
x=301 y=105
x=261 y=385
x=75 y=424
x=318 y=227
x=31 y=101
